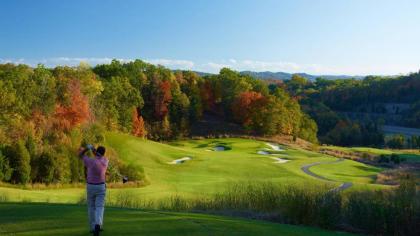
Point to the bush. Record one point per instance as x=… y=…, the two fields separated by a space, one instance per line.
x=383 y=158
x=395 y=158
x=134 y=173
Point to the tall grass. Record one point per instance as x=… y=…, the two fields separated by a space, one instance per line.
x=4 y=197
x=392 y=212
x=384 y=212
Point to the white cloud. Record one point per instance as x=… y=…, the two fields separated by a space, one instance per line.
x=173 y=64
x=239 y=65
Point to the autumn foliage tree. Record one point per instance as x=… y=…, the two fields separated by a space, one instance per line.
x=75 y=112
x=138 y=128
x=162 y=99
x=245 y=108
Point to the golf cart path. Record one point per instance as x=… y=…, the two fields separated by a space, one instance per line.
x=342 y=187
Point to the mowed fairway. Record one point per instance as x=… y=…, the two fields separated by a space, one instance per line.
x=207 y=171
x=56 y=219
x=409 y=155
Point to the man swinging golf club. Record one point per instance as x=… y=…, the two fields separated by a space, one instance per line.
x=96 y=188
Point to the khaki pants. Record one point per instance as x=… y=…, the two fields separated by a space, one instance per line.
x=96 y=202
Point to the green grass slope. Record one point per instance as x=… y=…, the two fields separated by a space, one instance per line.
x=54 y=219
x=409 y=155
x=208 y=171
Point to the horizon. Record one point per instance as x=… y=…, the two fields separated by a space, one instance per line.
x=78 y=61
x=328 y=38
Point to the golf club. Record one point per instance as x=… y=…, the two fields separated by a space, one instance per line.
x=93 y=149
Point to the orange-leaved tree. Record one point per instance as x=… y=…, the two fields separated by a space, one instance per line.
x=75 y=112
x=245 y=104
x=138 y=128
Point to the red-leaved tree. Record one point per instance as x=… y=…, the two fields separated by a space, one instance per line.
x=245 y=104
x=162 y=100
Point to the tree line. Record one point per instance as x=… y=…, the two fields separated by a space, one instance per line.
x=327 y=101
x=47 y=113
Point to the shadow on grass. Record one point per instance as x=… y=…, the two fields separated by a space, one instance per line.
x=368 y=168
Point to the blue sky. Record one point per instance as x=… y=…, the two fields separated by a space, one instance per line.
x=355 y=37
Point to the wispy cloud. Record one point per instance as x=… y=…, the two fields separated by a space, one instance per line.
x=239 y=65
x=74 y=61
x=173 y=64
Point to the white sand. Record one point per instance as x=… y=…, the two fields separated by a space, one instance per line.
x=263 y=153
x=279 y=160
x=180 y=161
x=275 y=147
x=219 y=148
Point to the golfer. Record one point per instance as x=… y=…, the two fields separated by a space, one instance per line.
x=95 y=188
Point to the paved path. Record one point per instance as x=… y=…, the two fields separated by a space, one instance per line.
x=342 y=187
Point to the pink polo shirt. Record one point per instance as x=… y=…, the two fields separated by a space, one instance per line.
x=96 y=169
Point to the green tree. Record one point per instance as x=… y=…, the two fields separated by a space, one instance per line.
x=20 y=162
x=396 y=141
x=5 y=169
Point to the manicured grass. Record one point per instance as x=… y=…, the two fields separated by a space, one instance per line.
x=409 y=155
x=56 y=219
x=208 y=171
x=347 y=171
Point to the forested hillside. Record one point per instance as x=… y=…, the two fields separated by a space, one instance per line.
x=352 y=111
x=47 y=113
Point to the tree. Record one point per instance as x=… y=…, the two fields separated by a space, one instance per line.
x=76 y=112
x=20 y=162
x=247 y=109
x=308 y=129
x=5 y=169
x=163 y=97
x=396 y=141
x=46 y=164
x=138 y=128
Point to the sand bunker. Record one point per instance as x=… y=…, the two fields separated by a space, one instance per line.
x=180 y=161
x=275 y=147
x=279 y=160
x=219 y=148
x=263 y=153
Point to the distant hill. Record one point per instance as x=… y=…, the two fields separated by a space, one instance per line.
x=287 y=76
x=268 y=75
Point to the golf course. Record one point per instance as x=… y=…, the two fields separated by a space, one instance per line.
x=209 y=118
x=209 y=165
x=188 y=168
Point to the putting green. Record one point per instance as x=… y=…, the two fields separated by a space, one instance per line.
x=56 y=219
